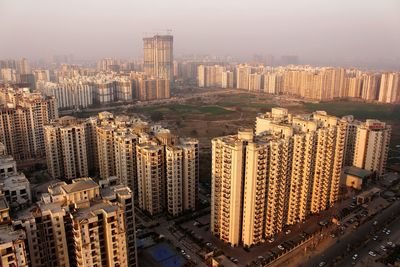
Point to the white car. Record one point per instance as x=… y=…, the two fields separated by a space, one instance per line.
x=390 y=243
x=371 y=253
x=355 y=256
x=383 y=248
x=388 y=232
x=271 y=240
x=281 y=247
x=288 y=231
x=322 y=263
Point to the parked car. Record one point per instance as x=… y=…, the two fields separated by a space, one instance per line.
x=371 y=253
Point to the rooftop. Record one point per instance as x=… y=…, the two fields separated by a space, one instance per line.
x=358 y=172
x=80 y=185
x=86 y=213
x=7 y=234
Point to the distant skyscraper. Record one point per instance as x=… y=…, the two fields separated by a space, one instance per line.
x=23 y=67
x=158 y=56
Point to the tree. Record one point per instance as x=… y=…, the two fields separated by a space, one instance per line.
x=156 y=116
x=194 y=132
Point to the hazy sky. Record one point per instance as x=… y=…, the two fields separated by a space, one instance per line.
x=315 y=30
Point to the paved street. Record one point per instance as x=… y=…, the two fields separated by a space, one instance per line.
x=364 y=259
x=341 y=246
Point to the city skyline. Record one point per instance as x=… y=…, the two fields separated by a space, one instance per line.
x=364 y=35
x=199 y=133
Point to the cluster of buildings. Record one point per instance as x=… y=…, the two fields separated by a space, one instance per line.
x=83 y=223
x=289 y=168
x=22 y=119
x=320 y=84
x=160 y=168
x=80 y=92
x=114 y=80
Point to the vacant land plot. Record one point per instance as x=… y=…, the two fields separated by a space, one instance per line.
x=207 y=116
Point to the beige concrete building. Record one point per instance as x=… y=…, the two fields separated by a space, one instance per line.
x=242 y=76
x=227 y=181
x=182 y=176
x=288 y=170
x=389 y=89
x=158 y=56
x=14 y=186
x=174 y=179
x=190 y=172
x=371 y=146
x=151 y=88
x=212 y=76
x=105 y=150
x=22 y=120
x=80 y=224
x=99 y=235
x=227 y=80
x=12 y=247
x=151 y=177
x=66 y=149
x=125 y=158
x=115 y=192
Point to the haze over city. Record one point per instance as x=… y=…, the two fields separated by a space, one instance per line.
x=199 y=133
x=360 y=33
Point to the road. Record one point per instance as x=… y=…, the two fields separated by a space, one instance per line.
x=364 y=259
x=358 y=236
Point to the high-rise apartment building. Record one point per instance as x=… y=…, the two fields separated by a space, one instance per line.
x=389 y=89
x=289 y=169
x=105 y=150
x=66 y=149
x=370 y=86
x=81 y=224
x=158 y=56
x=151 y=88
x=22 y=123
x=115 y=192
x=125 y=158
x=242 y=76
x=151 y=177
x=227 y=183
x=227 y=80
x=23 y=67
x=12 y=247
x=182 y=174
x=372 y=146
x=69 y=94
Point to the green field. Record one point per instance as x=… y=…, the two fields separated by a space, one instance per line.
x=186 y=110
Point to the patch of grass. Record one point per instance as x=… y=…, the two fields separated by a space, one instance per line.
x=186 y=109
